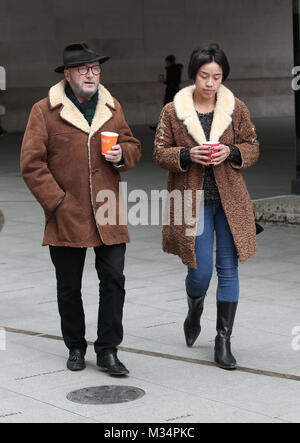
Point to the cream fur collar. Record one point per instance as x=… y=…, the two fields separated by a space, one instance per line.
x=71 y=113
x=186 y=112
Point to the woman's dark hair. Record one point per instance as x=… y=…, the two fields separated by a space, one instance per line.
x=208 y=54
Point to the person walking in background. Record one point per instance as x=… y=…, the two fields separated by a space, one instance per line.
x=62 y=165
x=209 y=111
x=172 y=79
x=2 y=112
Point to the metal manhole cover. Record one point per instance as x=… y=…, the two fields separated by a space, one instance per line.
x=104 y=395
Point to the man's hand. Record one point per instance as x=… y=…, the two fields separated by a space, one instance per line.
x=221 y=155
x=115 y=155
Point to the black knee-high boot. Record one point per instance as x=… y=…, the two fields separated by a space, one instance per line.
x=191 y=325
x=225 y=318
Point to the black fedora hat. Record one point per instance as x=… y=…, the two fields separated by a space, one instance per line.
x=78 y=53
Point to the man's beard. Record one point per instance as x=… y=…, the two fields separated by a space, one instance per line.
x=87 y=94
x=81 y=92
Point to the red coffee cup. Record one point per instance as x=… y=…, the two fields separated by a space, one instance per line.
x=212 y=147
x=108 y=140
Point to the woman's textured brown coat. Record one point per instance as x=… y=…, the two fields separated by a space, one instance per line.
x=179 y=126
x=61 y=158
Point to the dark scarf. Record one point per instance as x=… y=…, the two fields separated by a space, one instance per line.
x=87 y=108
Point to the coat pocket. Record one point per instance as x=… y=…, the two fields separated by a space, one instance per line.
x=70 y=220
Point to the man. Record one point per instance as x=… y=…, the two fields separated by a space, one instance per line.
x=62 y=165
x=173 y=78
x=2 y=112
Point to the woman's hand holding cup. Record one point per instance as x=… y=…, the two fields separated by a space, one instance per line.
x=200 y=154
x=220 y=155
x=210 y=153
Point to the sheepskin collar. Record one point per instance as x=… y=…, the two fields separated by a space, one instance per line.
x=71 y=113
x=186 y=112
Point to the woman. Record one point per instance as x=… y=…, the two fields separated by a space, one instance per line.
x=209 y=111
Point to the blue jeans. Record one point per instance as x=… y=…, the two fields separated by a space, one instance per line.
x=198 y=280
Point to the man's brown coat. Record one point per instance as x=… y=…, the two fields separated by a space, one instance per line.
x=61 y=158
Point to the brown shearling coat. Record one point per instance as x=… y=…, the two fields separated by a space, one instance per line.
x=61 y=158
x=179 y=126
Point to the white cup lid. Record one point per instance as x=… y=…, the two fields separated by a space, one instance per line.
x=110 y=134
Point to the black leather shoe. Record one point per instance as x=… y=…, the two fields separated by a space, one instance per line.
x=76 y=360
x=109 y=362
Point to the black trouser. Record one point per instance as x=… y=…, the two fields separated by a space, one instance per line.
x=170 y=93
x=69 y=264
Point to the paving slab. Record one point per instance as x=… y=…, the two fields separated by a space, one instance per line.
x=176 y=392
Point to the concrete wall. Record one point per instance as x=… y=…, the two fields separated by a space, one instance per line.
x=138 y=34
